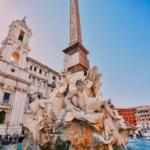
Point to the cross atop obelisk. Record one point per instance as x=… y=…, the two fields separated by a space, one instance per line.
x=75 y=27
x=76 y=54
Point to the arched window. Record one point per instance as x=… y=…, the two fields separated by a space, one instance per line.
x=21 y=35
x=15 y=57
x=2 y=117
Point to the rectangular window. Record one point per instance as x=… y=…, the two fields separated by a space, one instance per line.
x=21 y=35
x=53 y=83
x=29 y=76
x=38 y=79
x=6 y=98
x=31 y=68
x=34 y=78
x=40 y=71
x=45 y=73
x=34 y=68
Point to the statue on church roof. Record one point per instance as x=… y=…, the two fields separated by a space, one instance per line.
x=24 y=19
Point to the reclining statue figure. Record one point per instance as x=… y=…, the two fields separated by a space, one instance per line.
x=78 y=100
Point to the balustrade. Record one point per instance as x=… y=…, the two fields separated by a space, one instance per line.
x=5 y=105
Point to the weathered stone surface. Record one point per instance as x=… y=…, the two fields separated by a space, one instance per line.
x=78 y=136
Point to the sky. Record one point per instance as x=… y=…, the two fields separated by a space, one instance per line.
x=115 y=32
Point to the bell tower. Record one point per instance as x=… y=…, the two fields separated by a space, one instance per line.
x=76 y=54
x=16 y=44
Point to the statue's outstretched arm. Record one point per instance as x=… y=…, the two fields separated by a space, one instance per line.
x=43 y=101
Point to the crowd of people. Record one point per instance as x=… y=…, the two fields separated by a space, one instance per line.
x=12 y=139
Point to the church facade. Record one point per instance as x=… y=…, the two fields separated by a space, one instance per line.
x=20 y=78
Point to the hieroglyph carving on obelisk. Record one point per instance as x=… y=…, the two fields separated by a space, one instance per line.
x=75 y=27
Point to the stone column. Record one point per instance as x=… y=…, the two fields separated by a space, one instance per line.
x=25 y=38
x=37 y=70
x=15 y=108
x=23 y=103
x=50 y=78
x=47 y=89
x=8 y=50
x=23 y=65
x=43 y=72
x=15 y=30
x=28 y=65
x=28 y=39
x=5 y=51
x=12 y=30
x=1 y=93
x=17 y=33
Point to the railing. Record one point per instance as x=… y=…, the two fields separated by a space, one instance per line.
x=5 y=105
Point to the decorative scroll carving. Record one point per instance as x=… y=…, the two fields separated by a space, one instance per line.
x=21 y=90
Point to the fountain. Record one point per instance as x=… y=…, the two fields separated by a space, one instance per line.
x=75 y=117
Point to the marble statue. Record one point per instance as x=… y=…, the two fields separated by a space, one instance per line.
x=75 y=117
x=80 y=101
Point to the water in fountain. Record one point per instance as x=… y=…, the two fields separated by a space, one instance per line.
x=121 y=142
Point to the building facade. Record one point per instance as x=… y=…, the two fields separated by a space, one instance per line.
x=128 y=115
x=142 y=114
x=20 y=78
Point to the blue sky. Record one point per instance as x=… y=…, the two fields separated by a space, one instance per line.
x=115 y=32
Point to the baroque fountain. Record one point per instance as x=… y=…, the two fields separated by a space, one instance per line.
x=75 y=117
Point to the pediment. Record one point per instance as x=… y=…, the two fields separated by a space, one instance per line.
x=8 y=88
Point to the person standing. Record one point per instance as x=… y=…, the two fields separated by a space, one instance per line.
x=8 y=139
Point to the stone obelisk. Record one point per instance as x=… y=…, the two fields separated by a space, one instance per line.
x=76 y=55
